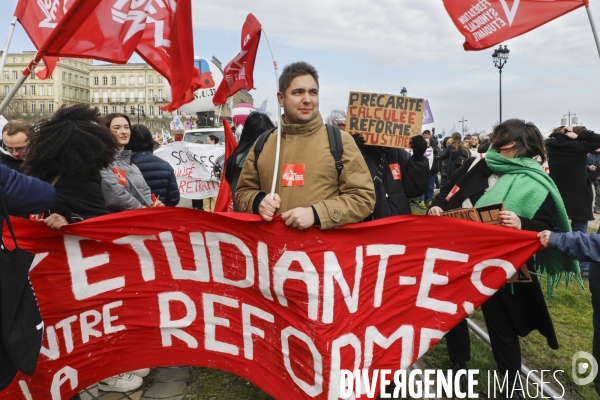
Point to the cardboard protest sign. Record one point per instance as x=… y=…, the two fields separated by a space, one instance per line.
x=194 y=167
x=488 y=215
x=384 y=119
x=282 y=308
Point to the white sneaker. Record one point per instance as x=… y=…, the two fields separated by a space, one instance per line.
x=142 y=373
x=120 y=383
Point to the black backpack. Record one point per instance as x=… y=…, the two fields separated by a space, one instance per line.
x=335 y=145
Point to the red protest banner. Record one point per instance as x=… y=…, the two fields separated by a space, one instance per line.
x=485 y=23
x=283 y=308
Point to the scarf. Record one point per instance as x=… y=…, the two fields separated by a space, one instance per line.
x=522 y=188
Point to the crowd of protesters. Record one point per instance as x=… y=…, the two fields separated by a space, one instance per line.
x=88 y=165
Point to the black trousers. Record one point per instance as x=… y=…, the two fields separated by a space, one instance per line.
x=503 y=337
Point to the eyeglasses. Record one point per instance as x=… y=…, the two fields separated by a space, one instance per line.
x=19 y=150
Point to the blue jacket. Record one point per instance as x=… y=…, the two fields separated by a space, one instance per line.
x=159 y=175
x=23 y=194
x=577 y=245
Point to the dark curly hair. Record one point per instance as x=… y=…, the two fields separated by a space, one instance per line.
x=71 y=143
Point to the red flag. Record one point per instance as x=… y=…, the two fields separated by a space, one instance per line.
x=167 y=46
x=238 y=73
x=224 y=200
x=160 y=31
x=485 y=23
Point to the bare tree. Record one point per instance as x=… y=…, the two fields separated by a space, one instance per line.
x=336 y=115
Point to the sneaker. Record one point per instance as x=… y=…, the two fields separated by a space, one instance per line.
x=422 y=204
x=120 y=383
x=142 y=373
x=427 y=203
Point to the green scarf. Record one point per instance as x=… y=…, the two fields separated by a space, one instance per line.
x=523 y=188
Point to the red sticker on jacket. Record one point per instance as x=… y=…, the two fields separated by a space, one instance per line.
x=293 y=175
x=454 y=190
x=396 y=171
x=121 y=176
x=36 y=217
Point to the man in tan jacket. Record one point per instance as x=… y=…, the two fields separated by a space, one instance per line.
x=308 y=190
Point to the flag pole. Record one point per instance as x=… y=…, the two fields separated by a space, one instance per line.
x=277 y=149
x=13 y=91
x=8 y=39
x=589 y=13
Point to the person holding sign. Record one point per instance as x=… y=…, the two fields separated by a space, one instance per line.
x=310 y=189
x=509 y=175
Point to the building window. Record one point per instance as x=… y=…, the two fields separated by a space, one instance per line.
x=6 y=75
x=132 y=110
x=151 y=95
x=113 y=80
x=151 y=79
x=132 y=96
x=114 y=109
x=41 y=107
x=50 y=90
x=64 y=76
x=160 y=79
x=32 y=90
x=6 y=90
x=160 y=112
x=95 y=80
x=141 y=95
x=113 y=97
x=15 y=75
x=140 y=80
x=77 y=94
x=123 y=109
x=87 y=81
x=33 y=107
x=50 y=107
x=178 y=112
x=22 y=59
x=123 y=82
x=64 y=91
x=50 y=77
x=104 y=110
x=132 y=80
x=160 y=95
x=151 y=124
x=104 y=96
x=70 y=77
x=24 y=107
x=123 y=97
x=141 y=111
x=76 y=79
x=105 y=80
x=151 y=110
x=41 y=90
x=32 y=76
x=24 y=90
x=70 y=93
x=96 y=97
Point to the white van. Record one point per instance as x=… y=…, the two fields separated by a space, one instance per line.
x=191 y=135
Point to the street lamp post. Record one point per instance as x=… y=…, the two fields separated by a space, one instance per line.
x=563 y=120
x=403 y=92
x=463 y=120
x=500 y=57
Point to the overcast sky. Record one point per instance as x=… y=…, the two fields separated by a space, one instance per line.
x=384 y=45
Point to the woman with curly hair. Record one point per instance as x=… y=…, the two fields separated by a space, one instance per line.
x=69 y=150
x=123 y=185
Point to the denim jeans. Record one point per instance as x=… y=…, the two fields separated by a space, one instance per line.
x=581 y=226
x=428 y=195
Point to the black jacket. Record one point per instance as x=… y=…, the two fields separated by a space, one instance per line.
x=567 y=162
x=392 y=191
x=11 y=162
x=453 y=159
x=524 y=301
x=159 y=175
x=79 y=199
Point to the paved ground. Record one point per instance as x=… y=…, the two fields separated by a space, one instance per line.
x=167 y=383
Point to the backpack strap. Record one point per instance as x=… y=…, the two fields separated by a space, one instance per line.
x=260 y=143
x=335 y=146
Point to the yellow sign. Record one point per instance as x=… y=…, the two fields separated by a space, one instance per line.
x=384 y=119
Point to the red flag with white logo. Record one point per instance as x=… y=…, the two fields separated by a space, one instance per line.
x=111 y=30
x=485 y=23
x=224 y=200
x=238 y=73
